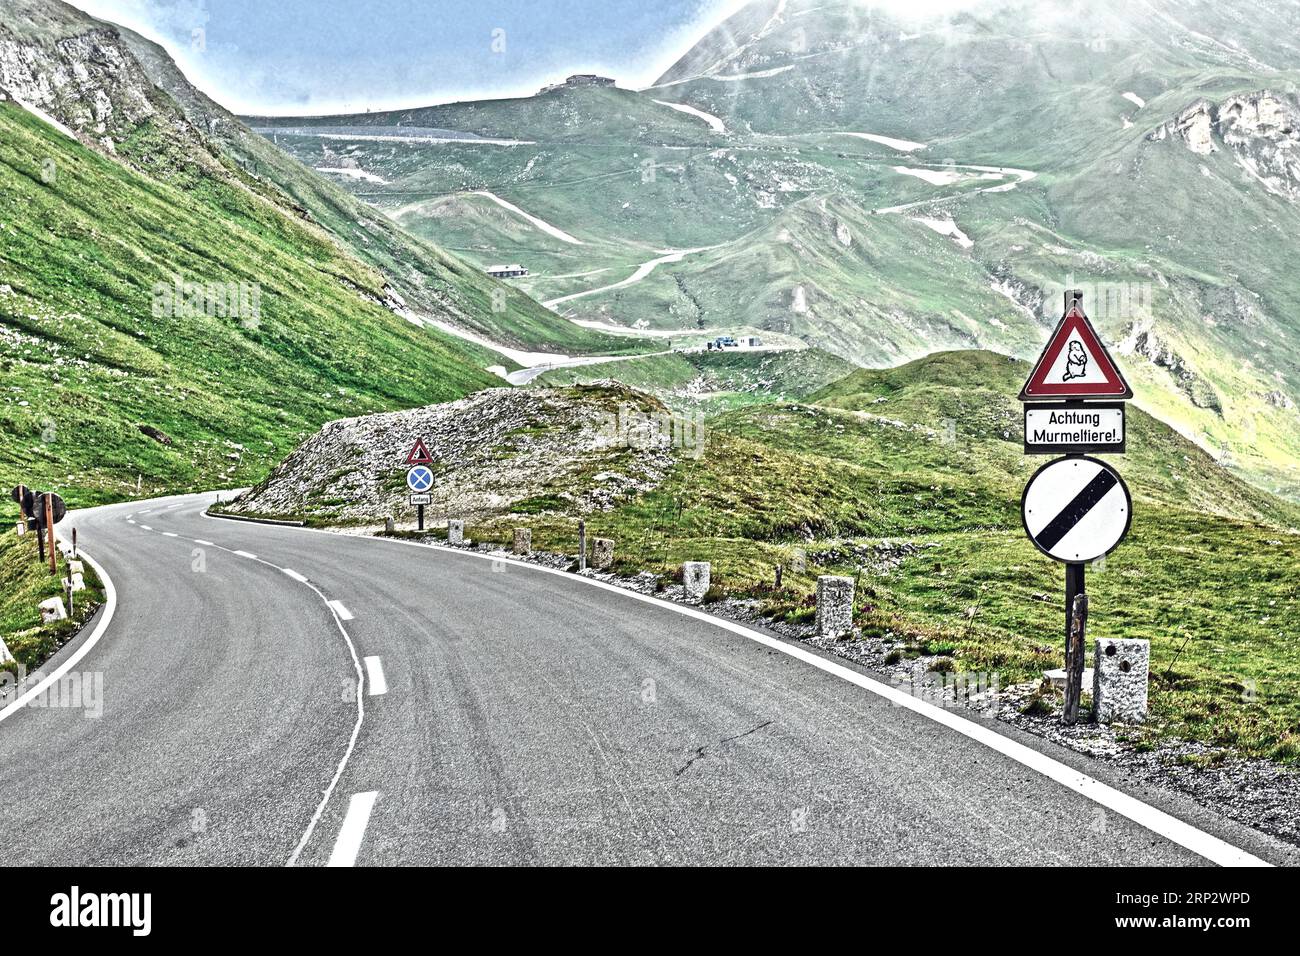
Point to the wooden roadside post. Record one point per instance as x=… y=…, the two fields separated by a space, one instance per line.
x=582 y=544
x=778 y=577
x=49 y=529
x=1074 y=654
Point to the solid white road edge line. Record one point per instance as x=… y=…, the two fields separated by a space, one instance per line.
x=1157 y=821
x=375 y=676
x=245 y=554
x=348 y=843
x=110 y=606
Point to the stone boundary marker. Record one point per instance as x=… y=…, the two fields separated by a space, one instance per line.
x=602 y=553
x=52 y=610
x=523 y=541
x=1119 y=681
x=695 y=577
x=456 y=531
x=834 y=605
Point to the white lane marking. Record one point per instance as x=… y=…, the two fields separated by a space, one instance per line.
x=1157 y=821
x=145 y=527
x=245 y=554
x=348 y=843
x=375 y=673
x=130 y=521
x=340 y=610
x=170 y=534
x=294 y=574
x=110 y=608
x=205 y=543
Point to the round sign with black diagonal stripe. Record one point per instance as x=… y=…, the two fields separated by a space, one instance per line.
x=1076 y=509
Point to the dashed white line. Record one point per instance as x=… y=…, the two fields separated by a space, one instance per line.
x=145 y=527
x=245 y=554
x=294 y=574
x=170 y=534
x=348 y=843
x=130 y=521
x=375 y=676
x=205 y=543
x=343 y=613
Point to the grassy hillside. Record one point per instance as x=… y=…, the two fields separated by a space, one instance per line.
x=87 y=363
x=714 y=381
x=867 y=478
x=24 y=583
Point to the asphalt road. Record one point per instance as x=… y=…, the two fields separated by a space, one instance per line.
x=524 y=718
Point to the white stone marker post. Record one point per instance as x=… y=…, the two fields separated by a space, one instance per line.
x=834 y=605
x=1119 y=681
x=523 y=541
x=456 y=531
x=696 y=576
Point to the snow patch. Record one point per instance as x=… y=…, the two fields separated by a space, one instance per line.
x=353 y=173
x=715 y=124
x=541 y=224
x=947 y=227
x=902 y=145
x=935 y=177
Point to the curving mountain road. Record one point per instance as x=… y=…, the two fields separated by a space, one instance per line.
x=510 y=715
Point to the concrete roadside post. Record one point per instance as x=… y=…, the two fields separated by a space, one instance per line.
x=523 y=541
x=696 y=576
x=456 y=531
x=1119 y=680
x=388 y=525
x=602 y=553
x=834 y=605
x=582 y=544
x=52 y=610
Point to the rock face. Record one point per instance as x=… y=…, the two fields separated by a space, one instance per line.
x=1143 y=341
x=1262 y=129
x=86 y=74
x=497 y=452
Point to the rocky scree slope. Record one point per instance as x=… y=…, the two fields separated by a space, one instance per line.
x=497 y=452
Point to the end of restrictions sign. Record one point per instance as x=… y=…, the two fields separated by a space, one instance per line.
x=1058 y=428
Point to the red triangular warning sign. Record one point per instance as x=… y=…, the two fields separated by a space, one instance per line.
x=419 y=455
x=1075 y=365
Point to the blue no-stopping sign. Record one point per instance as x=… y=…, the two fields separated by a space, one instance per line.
x=419 y=478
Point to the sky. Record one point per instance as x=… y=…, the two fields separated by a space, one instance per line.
x=327 y=56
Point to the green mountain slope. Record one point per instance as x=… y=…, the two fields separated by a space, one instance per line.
x=87 y=362
x=1027 y=147
x=130 y=97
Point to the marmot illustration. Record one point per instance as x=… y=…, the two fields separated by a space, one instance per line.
x=1076 y=362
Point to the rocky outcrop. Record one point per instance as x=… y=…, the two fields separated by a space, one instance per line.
x=1194 y=126
x=1142 y=341
x=1262 y=130
x=497 y=452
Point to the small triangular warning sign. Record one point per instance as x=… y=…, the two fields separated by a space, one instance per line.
x=419 y=455
x=1075 y=364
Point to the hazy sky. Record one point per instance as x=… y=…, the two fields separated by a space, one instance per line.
x=319 y=56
